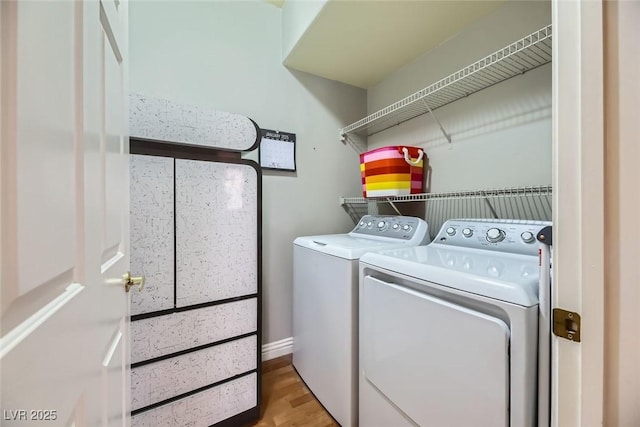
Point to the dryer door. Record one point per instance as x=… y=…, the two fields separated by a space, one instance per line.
x=440 y=364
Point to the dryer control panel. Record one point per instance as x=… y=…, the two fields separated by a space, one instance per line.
x=514 y=236
x=407 y=228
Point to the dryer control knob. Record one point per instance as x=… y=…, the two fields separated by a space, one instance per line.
x=370 y=223
x=451 y=231
x=467 y=232
x=381 y=224
x=406 y=227
x=396 y=227
x=495 y=235
x=528 y=237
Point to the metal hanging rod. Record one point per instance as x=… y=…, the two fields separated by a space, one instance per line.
x=517 y=58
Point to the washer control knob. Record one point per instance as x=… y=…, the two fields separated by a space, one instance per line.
x=370 y=223
x=528 y=237
x=495 y=235
x=396 y=227
x=362 y=224
x=406 y=227
x=467 y=232
x=451 y=231
x=381 y=224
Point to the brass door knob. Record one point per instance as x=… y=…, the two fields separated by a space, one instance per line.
x=130 y=281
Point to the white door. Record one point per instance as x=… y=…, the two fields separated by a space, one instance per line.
x=64 y=218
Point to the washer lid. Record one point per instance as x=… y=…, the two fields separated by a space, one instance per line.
x=502 y=276
x=347 y=246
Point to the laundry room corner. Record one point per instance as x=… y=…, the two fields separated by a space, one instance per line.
x=227 y=56
x=320 y=213
x=500 y=136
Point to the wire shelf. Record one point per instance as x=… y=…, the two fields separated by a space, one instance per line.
x=526 y=203
x=519 y=57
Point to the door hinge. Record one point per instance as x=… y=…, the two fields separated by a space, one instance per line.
x=566 y=324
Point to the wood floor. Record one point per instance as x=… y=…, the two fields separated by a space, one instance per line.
x=286 y=401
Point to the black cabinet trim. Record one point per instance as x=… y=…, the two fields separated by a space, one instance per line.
x=167 y=311
x=193 y=349
x=242 y=419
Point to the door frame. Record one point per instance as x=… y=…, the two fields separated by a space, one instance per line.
x=578 y=214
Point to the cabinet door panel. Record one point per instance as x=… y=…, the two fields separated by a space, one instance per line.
x=152 y=232
x=205 y=408
x=162 y=335
x=158 y=381
x=216 y=223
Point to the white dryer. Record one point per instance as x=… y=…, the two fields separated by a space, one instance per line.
x=325 y=306
x=449 y=331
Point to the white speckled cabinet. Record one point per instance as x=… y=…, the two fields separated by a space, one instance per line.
x=195 y=234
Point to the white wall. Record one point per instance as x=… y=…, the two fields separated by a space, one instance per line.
x=227 y=55
x=501 y=135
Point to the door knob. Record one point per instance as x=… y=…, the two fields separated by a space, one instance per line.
x=130 y=281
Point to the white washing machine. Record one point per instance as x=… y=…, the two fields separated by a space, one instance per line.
x=449 y=331
x=325 y=306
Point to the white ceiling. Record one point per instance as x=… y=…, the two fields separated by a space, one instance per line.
x=360 y=42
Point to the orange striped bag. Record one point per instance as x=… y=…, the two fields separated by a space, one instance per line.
x=392 y=171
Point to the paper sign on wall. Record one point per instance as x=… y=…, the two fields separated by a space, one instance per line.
x=278 y=150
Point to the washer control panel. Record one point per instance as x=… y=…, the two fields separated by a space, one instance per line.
x=395 y=227
x=516 y=236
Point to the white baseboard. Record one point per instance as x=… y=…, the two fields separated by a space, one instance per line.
x=277 y=348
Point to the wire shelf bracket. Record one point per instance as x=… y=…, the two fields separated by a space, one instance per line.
x=446 y=135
